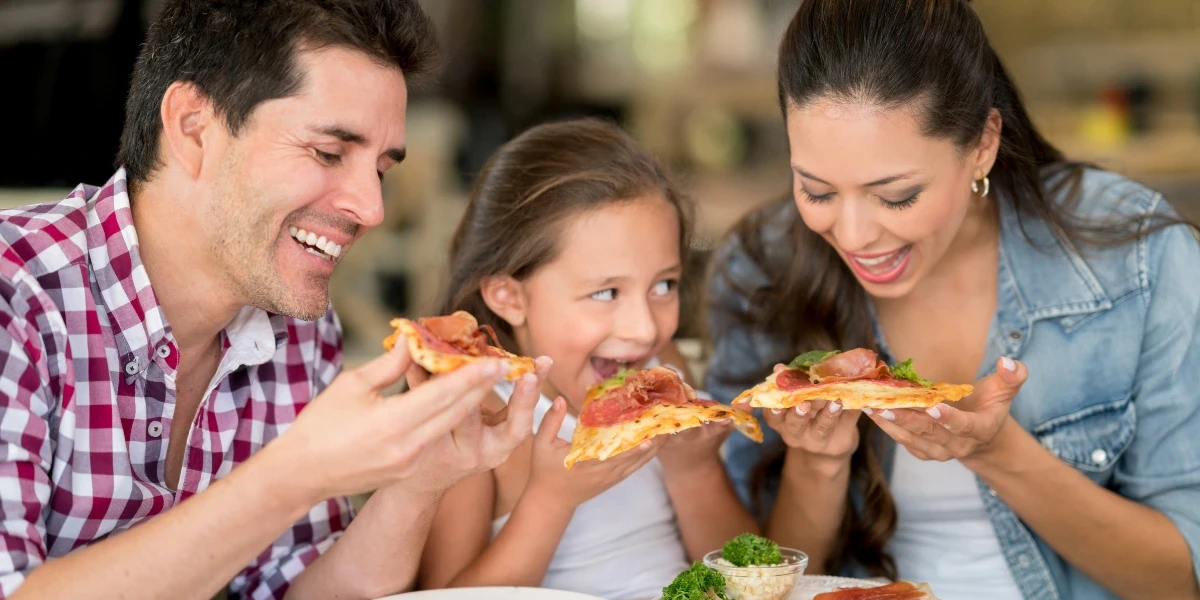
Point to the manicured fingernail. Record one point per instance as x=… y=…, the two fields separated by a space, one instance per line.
x=801 y=410
x=887 y=415
x=868 y=412
x=834 y=407
x=934 y=412
x=776 y=411
x=1008 y=364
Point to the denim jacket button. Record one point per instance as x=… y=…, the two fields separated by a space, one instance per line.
x=1099 y=456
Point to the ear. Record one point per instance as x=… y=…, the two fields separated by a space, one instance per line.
x=505 y=297
x=989 y=145
x=187 y=116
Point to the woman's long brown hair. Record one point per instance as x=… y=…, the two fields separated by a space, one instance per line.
x=934 y=55
x=525 y=191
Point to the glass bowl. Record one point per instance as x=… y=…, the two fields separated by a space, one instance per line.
x=773 y=582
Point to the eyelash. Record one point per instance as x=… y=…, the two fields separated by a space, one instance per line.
x=894 y=205
x=336 y=159
x=327 y=158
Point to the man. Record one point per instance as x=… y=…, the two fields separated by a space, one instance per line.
x=161 y=333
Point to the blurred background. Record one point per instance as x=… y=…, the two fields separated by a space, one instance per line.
x=1116 y=82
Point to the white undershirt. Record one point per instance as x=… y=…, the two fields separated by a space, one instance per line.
x=943 y=534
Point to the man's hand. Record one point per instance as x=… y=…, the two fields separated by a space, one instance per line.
x=480 y=441
x=352 y=439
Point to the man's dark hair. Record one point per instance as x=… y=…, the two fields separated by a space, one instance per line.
x=241 y=53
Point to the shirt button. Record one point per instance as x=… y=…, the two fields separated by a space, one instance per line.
x=155 y=429
x=1024 y=561
x=1015 y=335
x=131 y=367
x=164 y=351
x=1099 y=456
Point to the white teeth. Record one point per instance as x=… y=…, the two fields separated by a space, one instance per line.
x=870 y=262
x=292 y=230
x=311 y=240
x=337 y=251
x=321 y=241
x=320 y=245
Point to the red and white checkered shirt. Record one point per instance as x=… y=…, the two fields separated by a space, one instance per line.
x=87 y=390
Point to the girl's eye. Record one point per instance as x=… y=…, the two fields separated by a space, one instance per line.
x=327 y=158
x=665 y=287
x=605 y=295
x=814 y=198
x=900 y=204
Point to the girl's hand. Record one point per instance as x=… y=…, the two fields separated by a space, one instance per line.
x=588 y=478
x=820 y=429
x=970 y=431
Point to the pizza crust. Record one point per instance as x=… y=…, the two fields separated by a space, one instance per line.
x=853 y=395
x=605 y=442
x=440 y=362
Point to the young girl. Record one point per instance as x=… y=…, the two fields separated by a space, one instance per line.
x=572 y=247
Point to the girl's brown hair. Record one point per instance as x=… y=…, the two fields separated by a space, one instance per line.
x=935 y=55
x=528 y=187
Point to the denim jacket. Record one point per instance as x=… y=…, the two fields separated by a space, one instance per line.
x=1110 y=340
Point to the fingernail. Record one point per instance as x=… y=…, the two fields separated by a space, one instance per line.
x=544 y=360
x=1008 y=364
x=800 y=410
x=934 y=412
x=868 y=412
x=887 y=415
x=529 y=380
x=834 y=407
x=493 y=369
x=776 y=411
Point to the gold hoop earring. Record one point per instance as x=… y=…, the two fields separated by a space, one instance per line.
x=986 y=187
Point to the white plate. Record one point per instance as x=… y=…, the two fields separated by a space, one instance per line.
x=811 y=585
x=492 y=593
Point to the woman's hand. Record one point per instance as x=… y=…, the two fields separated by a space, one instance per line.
x=586 y=479
x=970 y=431
x=819 y=429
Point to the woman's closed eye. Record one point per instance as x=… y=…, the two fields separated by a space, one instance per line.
x=900 y=204
x=816 y=198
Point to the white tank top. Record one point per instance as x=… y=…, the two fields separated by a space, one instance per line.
x=623 y=544
x=943 y=534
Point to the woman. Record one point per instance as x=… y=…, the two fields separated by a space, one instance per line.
x=932 y=221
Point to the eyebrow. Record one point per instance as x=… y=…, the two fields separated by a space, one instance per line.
x=877 y=182
x=352 y=137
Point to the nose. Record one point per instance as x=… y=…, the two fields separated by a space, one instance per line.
x=856 y=227
x=362 y=199
x=637 y=323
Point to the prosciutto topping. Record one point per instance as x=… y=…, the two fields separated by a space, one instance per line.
x=853 y=365
x=901 y=590
x=640 y=391
x=458 y=333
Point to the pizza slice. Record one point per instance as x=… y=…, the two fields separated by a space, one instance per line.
x=900 y=590
x=856 y=378
x=443 y=344
x=634 y=406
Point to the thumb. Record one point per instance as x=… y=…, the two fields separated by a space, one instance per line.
x=1004 y=384
x=551 y=423
x=386 y=369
